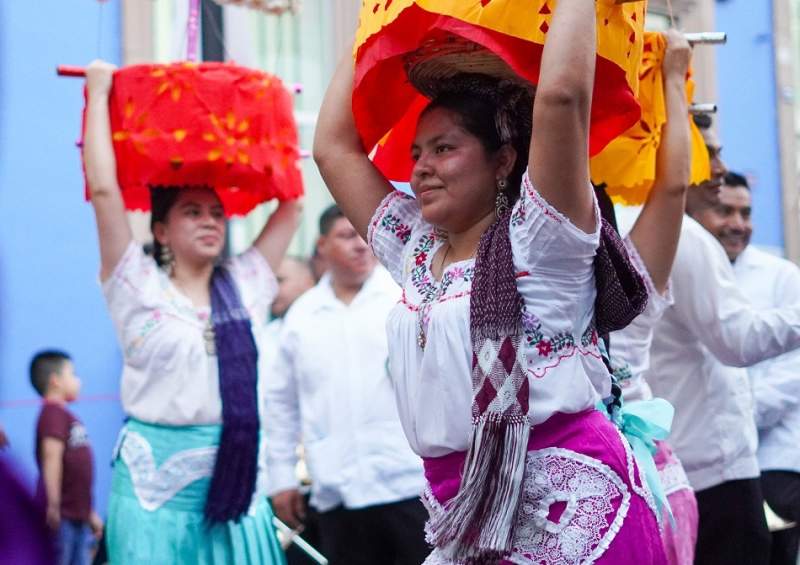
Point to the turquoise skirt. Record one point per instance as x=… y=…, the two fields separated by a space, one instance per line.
x=161 y=476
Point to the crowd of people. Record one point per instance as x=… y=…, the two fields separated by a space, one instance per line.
x=497 y=369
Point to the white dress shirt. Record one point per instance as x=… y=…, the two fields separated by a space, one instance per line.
x=554 y=262
x=330 y=386
x=701 y=340
x=772 y=282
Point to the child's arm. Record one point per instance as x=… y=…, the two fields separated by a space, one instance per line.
x=52 y=469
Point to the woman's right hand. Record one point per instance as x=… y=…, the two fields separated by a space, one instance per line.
x=99 y=77
x=289 y=507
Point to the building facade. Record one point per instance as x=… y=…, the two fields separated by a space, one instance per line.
x=49 y=291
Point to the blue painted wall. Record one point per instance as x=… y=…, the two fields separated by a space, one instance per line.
x=748 y=116
x=49 y=294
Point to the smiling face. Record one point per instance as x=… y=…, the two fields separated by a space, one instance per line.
x=729 y=221
x=454 y=177
x=194 y=228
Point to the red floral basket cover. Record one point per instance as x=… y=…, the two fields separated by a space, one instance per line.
x=207 y=124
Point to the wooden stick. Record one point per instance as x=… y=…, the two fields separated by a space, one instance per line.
x=70 y=71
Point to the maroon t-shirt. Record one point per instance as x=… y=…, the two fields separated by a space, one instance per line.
x=57 y=422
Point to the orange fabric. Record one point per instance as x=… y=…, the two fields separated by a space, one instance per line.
x=627 y=166
x=211 y=124
x=384 y=100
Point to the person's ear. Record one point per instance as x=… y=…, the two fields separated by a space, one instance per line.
x=506 y=159
x=160 y=233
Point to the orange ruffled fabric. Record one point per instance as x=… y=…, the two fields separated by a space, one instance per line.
x=386 y=107
x=627 y=166
x=209 y=124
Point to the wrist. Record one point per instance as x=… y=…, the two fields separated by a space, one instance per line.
x=675 y=77
x=97 y=97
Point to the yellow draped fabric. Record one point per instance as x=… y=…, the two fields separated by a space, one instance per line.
x=627 y=166
x=619 y=25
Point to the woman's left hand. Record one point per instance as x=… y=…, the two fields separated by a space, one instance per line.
x=678 y=55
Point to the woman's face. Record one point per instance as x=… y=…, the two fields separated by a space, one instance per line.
x=454 y=178
x=195 y=227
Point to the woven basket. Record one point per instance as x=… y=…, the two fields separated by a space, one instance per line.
x=441 y=58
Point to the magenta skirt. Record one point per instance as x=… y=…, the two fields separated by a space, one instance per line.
x=680 y=539
x=584 y=500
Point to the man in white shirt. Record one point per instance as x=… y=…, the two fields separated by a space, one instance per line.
x=699 y=352
x=769 y=282
x=331 y=386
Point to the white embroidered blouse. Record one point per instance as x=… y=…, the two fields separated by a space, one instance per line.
x=555 y=276
x=168 y=377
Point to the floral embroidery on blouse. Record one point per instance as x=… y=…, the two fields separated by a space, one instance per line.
x=552 y=346
x=393 y=224
x=150 y=324
x=429 y=290
x=421 y=276
x=519 y=215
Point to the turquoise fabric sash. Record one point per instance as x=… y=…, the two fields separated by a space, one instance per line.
x=642 y=423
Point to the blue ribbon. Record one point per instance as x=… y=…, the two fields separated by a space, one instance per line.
x=642 y=423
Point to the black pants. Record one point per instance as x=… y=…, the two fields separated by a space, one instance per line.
x=387 y=534
x=782 y=493
x=733 y=528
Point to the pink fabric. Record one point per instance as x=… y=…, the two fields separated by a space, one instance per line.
x=590 y=434
x=679 y=541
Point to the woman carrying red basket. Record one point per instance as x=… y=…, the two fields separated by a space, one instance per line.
x=185 y=485
x=509 y=275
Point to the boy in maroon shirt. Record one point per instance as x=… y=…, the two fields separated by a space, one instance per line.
x=64 y=457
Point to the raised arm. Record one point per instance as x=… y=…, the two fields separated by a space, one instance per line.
x=559 y=153
x=113 y=229
x=658 y=227
x=356 y=185
x=274 y=239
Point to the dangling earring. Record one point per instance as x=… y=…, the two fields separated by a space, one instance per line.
x=167 y=260
x=501 y=203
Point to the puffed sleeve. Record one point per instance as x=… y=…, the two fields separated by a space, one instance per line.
x=134 y=299
x=547 y=242
x=390 y=229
